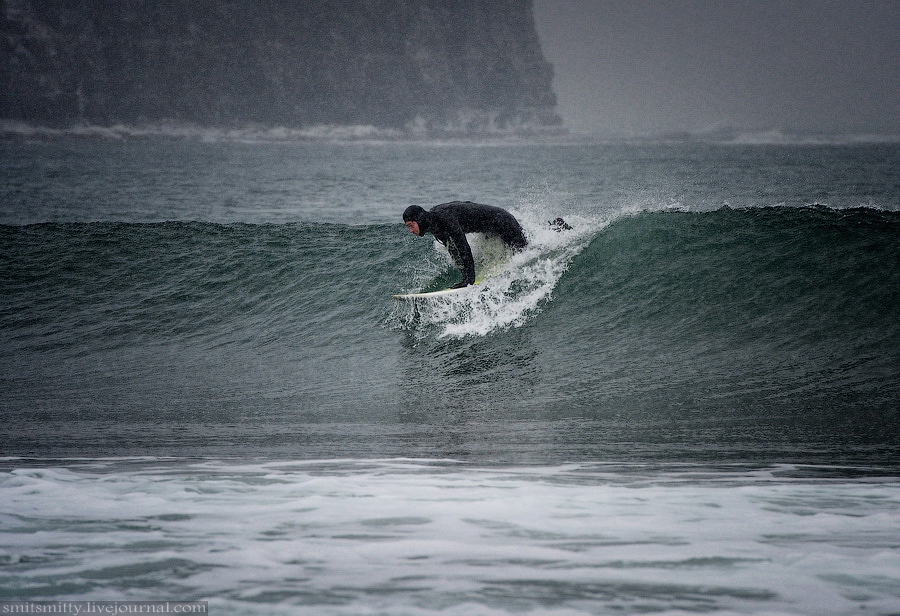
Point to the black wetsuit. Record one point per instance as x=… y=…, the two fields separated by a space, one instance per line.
x=449 y=223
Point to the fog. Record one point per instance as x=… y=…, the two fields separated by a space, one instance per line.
x=649 y=67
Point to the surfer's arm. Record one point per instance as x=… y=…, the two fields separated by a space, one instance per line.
x=461 y=253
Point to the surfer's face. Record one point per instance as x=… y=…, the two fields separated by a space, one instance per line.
x=413 y=227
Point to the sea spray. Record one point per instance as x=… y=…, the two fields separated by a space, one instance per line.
x=515 y=287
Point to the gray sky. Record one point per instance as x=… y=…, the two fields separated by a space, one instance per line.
x=639 y=67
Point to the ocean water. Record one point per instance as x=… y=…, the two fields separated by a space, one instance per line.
x=689 y=403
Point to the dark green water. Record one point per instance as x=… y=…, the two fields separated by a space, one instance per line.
x=759 y=333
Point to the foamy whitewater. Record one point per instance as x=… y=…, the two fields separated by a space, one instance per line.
x=686 y=404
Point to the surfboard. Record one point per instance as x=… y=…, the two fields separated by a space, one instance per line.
x=431 y=294
x=492 y=258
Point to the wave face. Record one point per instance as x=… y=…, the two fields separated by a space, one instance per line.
x=775 y=306
x=699 y=331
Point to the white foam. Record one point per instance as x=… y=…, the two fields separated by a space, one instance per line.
x=779 y=137
x=511 y=296
x=419 y=537
x=179 y=130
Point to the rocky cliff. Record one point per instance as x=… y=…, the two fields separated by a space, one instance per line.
x=457 y=66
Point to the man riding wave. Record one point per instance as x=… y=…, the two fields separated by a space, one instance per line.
x=449 y=223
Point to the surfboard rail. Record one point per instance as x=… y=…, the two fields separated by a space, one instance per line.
x=432 y=294
x=485 y=272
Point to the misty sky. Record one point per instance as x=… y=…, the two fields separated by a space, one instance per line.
x=626 y=67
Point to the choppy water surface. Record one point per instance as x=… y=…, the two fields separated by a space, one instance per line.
x=689 y=403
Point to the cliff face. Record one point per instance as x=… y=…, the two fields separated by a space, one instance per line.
x=428 y=65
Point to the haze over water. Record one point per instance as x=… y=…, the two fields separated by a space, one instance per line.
x=711 y=67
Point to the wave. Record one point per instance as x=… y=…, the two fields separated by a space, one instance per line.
x=776 y=323
x=738 y=270
x=731 y=278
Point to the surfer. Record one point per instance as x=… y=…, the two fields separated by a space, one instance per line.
x=449 y=223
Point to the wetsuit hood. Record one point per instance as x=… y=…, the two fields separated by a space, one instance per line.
x=417 y=214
